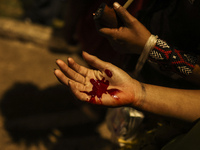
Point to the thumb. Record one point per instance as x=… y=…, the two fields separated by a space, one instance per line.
x=94 y=61
x=109 y=33
x=124 y=15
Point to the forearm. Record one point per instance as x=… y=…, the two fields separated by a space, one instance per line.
x=175 y=103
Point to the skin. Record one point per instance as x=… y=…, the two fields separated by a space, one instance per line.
x=177 y=103
x=129 y=38
x=78 y=79
x=132 y=37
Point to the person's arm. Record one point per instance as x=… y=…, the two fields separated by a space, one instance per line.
x=132 y=37
x=111 y=86
x=170 y=102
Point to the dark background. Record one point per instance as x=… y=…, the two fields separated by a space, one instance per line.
x=36 y=111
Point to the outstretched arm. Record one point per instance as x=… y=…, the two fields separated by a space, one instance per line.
x=108 y=85
x=170 y=102
x=111 y=86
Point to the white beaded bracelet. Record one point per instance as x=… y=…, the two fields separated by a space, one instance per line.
x=151 y=42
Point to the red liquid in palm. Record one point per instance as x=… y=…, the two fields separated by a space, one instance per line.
x=108 y=73
x=100 y=87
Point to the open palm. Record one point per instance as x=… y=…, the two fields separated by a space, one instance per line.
x=108 y=85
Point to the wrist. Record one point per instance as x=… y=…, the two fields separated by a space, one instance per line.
x=150 y=44
x=139 y=95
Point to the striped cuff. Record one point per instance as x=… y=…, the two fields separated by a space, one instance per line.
x=170 y=59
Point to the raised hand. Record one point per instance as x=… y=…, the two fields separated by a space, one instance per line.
x=108 y=85
x=129 y=38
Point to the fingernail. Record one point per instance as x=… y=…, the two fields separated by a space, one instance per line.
x=69 y=59
x=116 y=5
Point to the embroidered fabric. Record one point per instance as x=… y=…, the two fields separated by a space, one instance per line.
x=171 y=59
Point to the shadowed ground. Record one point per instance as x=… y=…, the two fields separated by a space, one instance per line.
x=37 y=112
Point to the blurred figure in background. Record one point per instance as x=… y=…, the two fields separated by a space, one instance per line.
x=41 y=11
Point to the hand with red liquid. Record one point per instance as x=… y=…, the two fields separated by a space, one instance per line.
x=129 y=38
x=111 y=86
x=108 y=85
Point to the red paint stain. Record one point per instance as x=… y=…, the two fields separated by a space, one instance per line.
x=113 y=93
x=108 y=73
x=99 y=88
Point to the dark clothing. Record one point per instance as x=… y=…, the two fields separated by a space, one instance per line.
x=175 y=21
x=43 y=11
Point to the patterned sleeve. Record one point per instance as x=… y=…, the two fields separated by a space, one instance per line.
x=171 y=59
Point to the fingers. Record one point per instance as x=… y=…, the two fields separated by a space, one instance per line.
x=94 y=61
x=71 y=78
x=61 y=77
x=128 y=20
x=124 y=15
x=76 y=89
x=109 y=32
x=68 y=73
x=78 y=68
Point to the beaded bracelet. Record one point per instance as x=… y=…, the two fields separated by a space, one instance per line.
x=144 y=55
x=171 y=59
